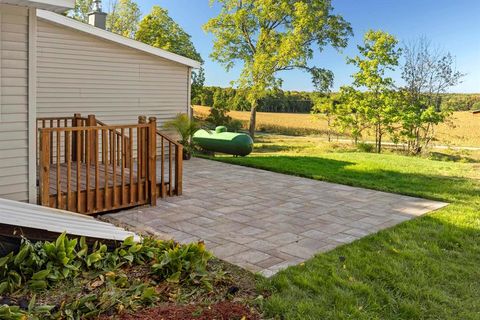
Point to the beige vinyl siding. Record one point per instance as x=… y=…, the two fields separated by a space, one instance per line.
x=77 y=72
x=14 y=102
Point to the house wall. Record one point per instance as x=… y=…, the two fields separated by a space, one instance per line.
x=14 y=102
x=77 y=72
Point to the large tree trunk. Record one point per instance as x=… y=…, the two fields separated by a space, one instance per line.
x=253 y=120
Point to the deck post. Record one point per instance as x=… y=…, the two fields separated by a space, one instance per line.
x=178 y=169
x=75 y=123
x=44 y=166
x=141 y=146
x=92 y=135
x=152 y=158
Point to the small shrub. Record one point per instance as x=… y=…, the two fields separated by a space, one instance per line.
x=365 y=147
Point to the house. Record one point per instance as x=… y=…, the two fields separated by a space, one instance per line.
x=53 y=67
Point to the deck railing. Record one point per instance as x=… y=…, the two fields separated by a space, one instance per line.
x=173 y=174
x=91 y=168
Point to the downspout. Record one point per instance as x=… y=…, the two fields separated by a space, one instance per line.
x=189 y=93
x=32 y=105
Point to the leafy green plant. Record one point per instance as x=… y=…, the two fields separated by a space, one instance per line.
x=185 y=127
x=365 y=147
x=183 y=263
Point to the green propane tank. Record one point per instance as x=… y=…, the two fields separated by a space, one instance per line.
x=238 y=144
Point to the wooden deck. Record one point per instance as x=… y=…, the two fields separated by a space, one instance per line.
x=89 y=167
x=132 y=185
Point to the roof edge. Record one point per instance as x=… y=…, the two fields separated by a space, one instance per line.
x=110 y=36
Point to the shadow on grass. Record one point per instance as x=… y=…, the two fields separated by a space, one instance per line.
x=432 y=186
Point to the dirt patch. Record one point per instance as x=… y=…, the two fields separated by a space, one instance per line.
x=220 y=311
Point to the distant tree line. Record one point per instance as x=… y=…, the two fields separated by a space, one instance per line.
x=275 y=100
x=303 y=101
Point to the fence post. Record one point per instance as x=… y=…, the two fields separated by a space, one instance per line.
x=92 y=135
x=44 y=165
x=178 y=169
x=75 y=120
x=152 y=157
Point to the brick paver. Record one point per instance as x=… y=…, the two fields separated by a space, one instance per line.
x=265 y=221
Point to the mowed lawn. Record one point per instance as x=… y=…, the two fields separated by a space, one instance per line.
x=462 y=129
x=426 y=268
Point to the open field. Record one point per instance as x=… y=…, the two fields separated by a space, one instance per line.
x=426 y=268
x=463 y=129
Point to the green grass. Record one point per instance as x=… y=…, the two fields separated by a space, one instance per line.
x=426 y=268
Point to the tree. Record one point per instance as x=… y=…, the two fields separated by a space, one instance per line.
x=378 y=105
x=81 y=10
x=198 y=81
x=123 y=17
x=427 y=73
x=269 y=36
x=158 y=29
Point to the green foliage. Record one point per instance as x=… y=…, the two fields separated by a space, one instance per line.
x=185 y=127
x=81 y=10
x=269 y=36
x=158 y=29
x=365 y=147
x=275 y=100
x=42 y=265
x=427 y=74
x=123 y=17
x=376 y=108
x=183 y=263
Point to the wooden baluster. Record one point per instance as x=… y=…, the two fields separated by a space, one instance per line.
x=178 y=169
x=170 y=160
x=130 y=159
x=74 y=136
x=91 y=122
x=68 y=158
x=162 y=169
x=51 y=141
x=140 y=160
x=59 y=185
x=65 y=122
x=106 y=135
x=45 y=146
x=79 y=157
x=152 y=167
x=88 y=141
x=97 y=173
x=114 y=169
x=122 y=134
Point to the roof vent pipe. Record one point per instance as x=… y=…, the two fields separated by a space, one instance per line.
x=97 y=18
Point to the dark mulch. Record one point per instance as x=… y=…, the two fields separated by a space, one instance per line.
x=224 y=310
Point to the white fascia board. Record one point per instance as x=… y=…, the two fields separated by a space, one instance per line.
x=107 y=35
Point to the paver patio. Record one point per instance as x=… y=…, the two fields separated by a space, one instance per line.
x=265 y=221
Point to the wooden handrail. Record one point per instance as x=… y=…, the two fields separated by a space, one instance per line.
x=168 y=138
x=91 y=128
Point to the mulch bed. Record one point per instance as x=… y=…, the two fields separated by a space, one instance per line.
x=225 y=310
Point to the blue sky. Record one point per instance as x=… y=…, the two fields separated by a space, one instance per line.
x=451 y=25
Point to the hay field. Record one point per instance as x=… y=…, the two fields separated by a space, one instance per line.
x=462 y=129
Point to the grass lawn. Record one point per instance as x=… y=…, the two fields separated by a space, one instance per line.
x=426 y=268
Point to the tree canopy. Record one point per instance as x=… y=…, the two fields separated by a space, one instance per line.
x=158 y=29
x=269 y=36
x=123 y=18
